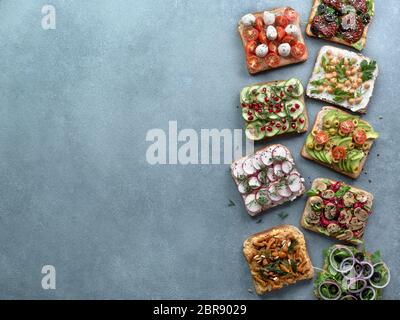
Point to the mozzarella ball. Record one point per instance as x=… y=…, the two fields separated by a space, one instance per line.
x=269 y=18
x=261 y=50
x=272 y=34
x=292 y=30
x=248 y=20
x=284 y=49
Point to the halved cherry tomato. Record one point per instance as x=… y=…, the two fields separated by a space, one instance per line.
x=347 y=126
x=281 y=33
x=281 y=21
x=262 y=37
x=359 y=136
x=254 y=62
x=272 y=60
x=339 y=153
x=272 y=47
x=321 y=137
x=259 y=24
x=250 y=34
x=289 y=39
x=251 y=47
x=298 y=50
x=290 y=14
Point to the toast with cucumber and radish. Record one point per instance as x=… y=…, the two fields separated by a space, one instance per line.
x=267 y=178
x=343 y=78
x=341 y=21
x=340 y=141
x=277 y=257
x=272 y=39
x=274 y=108
x=337 y=210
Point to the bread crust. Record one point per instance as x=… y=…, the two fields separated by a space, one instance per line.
x=283 y=61
x=333 y=166
x=288 y=230
x=308 y=207
x=334 y=39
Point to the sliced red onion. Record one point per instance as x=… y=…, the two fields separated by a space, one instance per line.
x=366 y=263
x=368 y=288
x=339 y=247
x=388 y=277
x=329 y=282
x=349 y=297
x=343 y=269
x=354 y=281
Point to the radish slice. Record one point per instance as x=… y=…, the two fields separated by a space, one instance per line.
x=243 y=187
x=284 y=190
x=251 y=204
x=237 y=170
x=257 y=163
x=271 y=175
x=266 y=158
x=273 y=193
x=287 y=167
x=294 y=183
x=254 y=183
x=262 y=197
x=262 y=176
x=279 y=152
x=278 y=170
x=248 y=167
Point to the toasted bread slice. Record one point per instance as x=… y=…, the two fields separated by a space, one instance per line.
x=284 y=61
x=350 y=227
x=270 y=257
x=288 y=132
x=318 y=125
x=272 y=186
x=366 y=87
x=360 y=45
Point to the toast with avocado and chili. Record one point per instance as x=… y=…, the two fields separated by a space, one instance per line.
x=337 y=210
x=341 y=21
x=274 y=108
x=340 y=141
x=267 y=178
x=272 y=39
x=277 y=257
x=343 y=78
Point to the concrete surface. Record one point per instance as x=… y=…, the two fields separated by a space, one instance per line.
x=76 y=190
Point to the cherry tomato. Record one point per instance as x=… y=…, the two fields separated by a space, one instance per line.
x=272 y=60
x=321 y=137
x=281 y=21
x=347 y=126
x=251 y=47
x=254 y=62
x=298 y=50
x=339 y=153
x=281 y=33
x=272 y=47
x=359 y=136
x=262 y=37
x=289 y=39
x=259 y=24
x=290 y=14
x=250 y=34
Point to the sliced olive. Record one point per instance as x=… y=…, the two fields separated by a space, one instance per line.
x=330 y=17
x=333 y=290
x=321 y=9
x=376 y=277
x=366 y=18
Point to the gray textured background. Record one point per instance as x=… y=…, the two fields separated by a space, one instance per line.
x=75 y=188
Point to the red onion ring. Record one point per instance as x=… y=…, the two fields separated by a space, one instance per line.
x=354 y=281
x=343 y=270
x=366 y=288
x=388 y=278
x=362 y=272
x=349 y=296
x=329 y=282
x=339 y=247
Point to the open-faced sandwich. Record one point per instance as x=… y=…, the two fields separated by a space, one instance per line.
x=274 y=108
x=267 y=178
x=272 y=39
x=341 y=21
x=340 y=141
x=351 y=274
x=337 y=210
x=343 y=78
x=277 y=257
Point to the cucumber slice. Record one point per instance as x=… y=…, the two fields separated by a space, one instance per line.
x=284 y=127
x=253 y=92
x=372 y=135
x=345 y=141
x=269 y=132
x=298 y=107
x=246 y=116
x=253 y=131
x=283 y=113
x=294 y=88
x=244 y=95
x=301 y=122
x=263 y=115
x=273 y=116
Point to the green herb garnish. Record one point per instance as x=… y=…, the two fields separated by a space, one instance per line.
x=283 y=215
x=293 y=244
x=312 y=193
x=340 y=193
x=368 y=69
x=318 y=82
x=231 y=203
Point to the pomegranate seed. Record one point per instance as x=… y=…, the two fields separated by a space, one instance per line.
x=276 y=99
x=282 y=94
x=292 y=109
x=269 y=129
x=293 y=125
x=266 y=99
x=272 y=122
x=301 y=120
x=243 y=105
x=262 y=128
x=297 y=106
x=278 y=125
x=251 y=118
x=249 y=113
x=290 y=88
x=264 y=90
x=270 y=110
x=284 y=120
x=284 y=128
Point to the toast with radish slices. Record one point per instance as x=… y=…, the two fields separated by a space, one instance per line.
x=267 y=179
x=277 y=257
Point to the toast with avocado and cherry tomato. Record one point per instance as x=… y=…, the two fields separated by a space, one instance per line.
x=341 y=21
x=343 y=78
x=267 y=179
x=340 y=141
x=274 y=108
x=337 y=210
x=272 y=39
